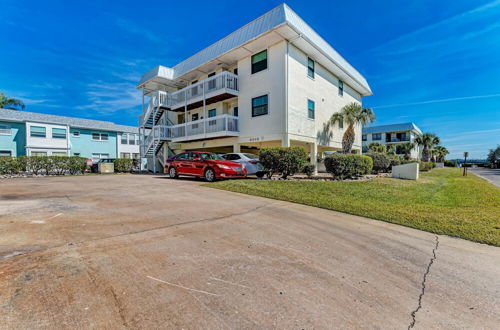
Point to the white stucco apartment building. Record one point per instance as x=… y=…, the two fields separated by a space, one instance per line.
x=273 y=82
x=393 y=134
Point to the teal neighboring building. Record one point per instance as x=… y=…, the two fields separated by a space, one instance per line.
x=35 y=134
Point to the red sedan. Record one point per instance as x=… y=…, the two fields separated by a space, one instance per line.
x=204 y=165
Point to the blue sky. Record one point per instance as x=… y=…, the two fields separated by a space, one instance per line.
x=436 y=63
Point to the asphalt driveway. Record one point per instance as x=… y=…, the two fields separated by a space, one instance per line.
x=137 y=251
x=490 y=174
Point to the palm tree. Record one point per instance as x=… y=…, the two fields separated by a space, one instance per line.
x=406 y=149
x=377 y=147
x=440 y=152
x=10 y=103
x=427 y=141
x=351 y=114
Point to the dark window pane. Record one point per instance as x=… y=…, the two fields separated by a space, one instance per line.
x=310 y=68
x=259 y=61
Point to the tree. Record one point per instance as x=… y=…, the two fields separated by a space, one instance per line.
x=427 y=141
x=351 y=114
x=377 y=147
x=494 y=157
x=439 y=152
x=10 y=103
x=406 y=149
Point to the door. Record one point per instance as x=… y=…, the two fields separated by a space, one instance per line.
x=180 y=118
x=198 y=164
x=182 y=163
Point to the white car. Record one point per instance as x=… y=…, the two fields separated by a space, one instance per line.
x=250 y=161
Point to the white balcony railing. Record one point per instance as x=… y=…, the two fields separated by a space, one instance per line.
x=218 y=126
x=222 y=83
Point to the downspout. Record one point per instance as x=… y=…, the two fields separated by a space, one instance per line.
x=67 y=141
x=286 y=90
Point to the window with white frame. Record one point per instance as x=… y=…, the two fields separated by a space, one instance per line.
x=76 y=133
x=132 y=138
x=39 y=153
x=124 y=139
x=376 y=136
x=310 y=109
x=38 y=131
x=100 y=136
x=59 y=153
x=310 y=67
x=341 y=88
x=5 y=153
x=124 y=155
x=5 y=129
x=58 y=133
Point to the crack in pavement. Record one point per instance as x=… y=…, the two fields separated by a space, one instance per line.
x=139 y=231
x=419 y=306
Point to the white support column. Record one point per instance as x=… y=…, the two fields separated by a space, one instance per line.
x=285 y=141
x=314 y=156
x=236 y=148
x=204 y=110
x=185 y=113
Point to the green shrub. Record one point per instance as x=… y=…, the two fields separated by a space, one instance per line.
x=381 y=162
x=292 y=160
x=123 y=165
x=269 y=159
x=10 y=165
x=309 y=170
x=35 y=164
x=450 y=163
x=59 y=164
x=395 y=161
x=282 y=160
x=426 y=166
x=343 y=166
x=77 y=165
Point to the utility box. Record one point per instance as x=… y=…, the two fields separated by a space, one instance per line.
x=106 y=168
x=406 y=171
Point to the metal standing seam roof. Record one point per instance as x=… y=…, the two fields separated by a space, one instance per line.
x=23 y=116
x=274 y=18
x=392 y=128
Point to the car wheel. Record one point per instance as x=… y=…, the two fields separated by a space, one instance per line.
x=210 y=175
x=260 y=174
x=172 y=172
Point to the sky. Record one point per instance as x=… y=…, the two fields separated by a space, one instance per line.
x=434 y=63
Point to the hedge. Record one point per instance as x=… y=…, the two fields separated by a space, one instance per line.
x=344 y=166
x=57 y=165
x=282 y=160
x=381 y=162
x=123 y=165
x=426 y=166
x=450 y=163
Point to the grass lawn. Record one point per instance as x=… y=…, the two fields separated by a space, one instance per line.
x=441 y=202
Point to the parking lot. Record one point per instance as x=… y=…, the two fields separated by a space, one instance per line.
x=145 y=251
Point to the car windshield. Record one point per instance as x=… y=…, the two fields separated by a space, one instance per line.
x=211 y=156
x=251 y=156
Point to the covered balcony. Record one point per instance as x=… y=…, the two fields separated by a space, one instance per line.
x=209 y=128
x=220 y=87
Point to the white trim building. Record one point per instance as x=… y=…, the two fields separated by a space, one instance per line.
x=393 y=134
x=273 y=82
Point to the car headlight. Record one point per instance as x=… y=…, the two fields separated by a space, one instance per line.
x=224 y=167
